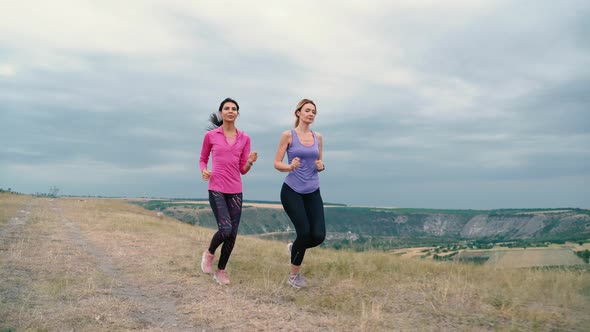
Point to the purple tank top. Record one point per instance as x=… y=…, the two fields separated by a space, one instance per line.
x=305 y=179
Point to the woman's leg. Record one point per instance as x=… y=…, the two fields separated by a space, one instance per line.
x=295 y=209
x=234 y=208
x=314 y=208
x=227 y=212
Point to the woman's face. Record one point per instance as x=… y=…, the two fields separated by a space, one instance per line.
x=229 y=112
x=307 y=113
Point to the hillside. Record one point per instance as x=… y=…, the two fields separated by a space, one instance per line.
x=92 y=264
x=402 y=227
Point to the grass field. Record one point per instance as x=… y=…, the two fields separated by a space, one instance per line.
x=533 y=257
x=99 y=264
x=554 y=255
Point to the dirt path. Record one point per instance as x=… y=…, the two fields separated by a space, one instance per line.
x=15 y=224
x=104 y=265
x=160 y=313
x=75 y=265
x=55 y=278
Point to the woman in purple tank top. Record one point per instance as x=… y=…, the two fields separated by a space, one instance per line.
x=300 y=194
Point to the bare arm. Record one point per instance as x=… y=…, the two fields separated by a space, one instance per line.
x=281 y=151
x=320 y=163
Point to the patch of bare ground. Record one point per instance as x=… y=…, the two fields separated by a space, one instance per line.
x=161 y=313
x=162 y=257
x=411 y=252
x=107 y=265
x=544 y=212
x=50 y=283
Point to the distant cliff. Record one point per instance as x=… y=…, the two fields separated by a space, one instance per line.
x=465 y=224
x=514 y=224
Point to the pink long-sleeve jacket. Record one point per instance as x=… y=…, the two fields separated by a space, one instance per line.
x=228 y=161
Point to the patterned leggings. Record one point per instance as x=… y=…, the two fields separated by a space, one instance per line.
x=227 y=209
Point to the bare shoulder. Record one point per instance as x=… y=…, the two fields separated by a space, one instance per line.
x=318 y=135
x=285 y=138
x=286 y=135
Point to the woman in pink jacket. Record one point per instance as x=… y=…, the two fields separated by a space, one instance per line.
x=231 y=157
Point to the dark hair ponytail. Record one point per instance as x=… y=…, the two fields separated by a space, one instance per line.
x=214 y=118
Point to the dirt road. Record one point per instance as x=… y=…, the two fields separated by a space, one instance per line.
x=74 y=265
x=104 y=265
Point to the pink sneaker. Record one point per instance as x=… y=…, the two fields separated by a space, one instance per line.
x=207 y=262
x=221 y=277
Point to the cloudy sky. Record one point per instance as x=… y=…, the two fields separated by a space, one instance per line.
x=432 y=104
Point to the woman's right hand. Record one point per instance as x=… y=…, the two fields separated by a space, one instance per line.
x=295 y=163
x=206 y=175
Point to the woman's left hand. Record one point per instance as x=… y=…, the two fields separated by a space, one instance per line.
x=252 y=157
x=319 y=164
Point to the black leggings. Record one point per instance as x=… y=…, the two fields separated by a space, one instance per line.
x=306 y=212
x=227 y=209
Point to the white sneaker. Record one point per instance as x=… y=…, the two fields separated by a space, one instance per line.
x=296 y=280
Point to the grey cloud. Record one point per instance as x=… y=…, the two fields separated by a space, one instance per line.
x=492 y=115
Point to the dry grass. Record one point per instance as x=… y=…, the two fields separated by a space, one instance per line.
x=576 y=246
x=50 y=283
x=10 y=205
x=533 y=257
x=104 y=264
